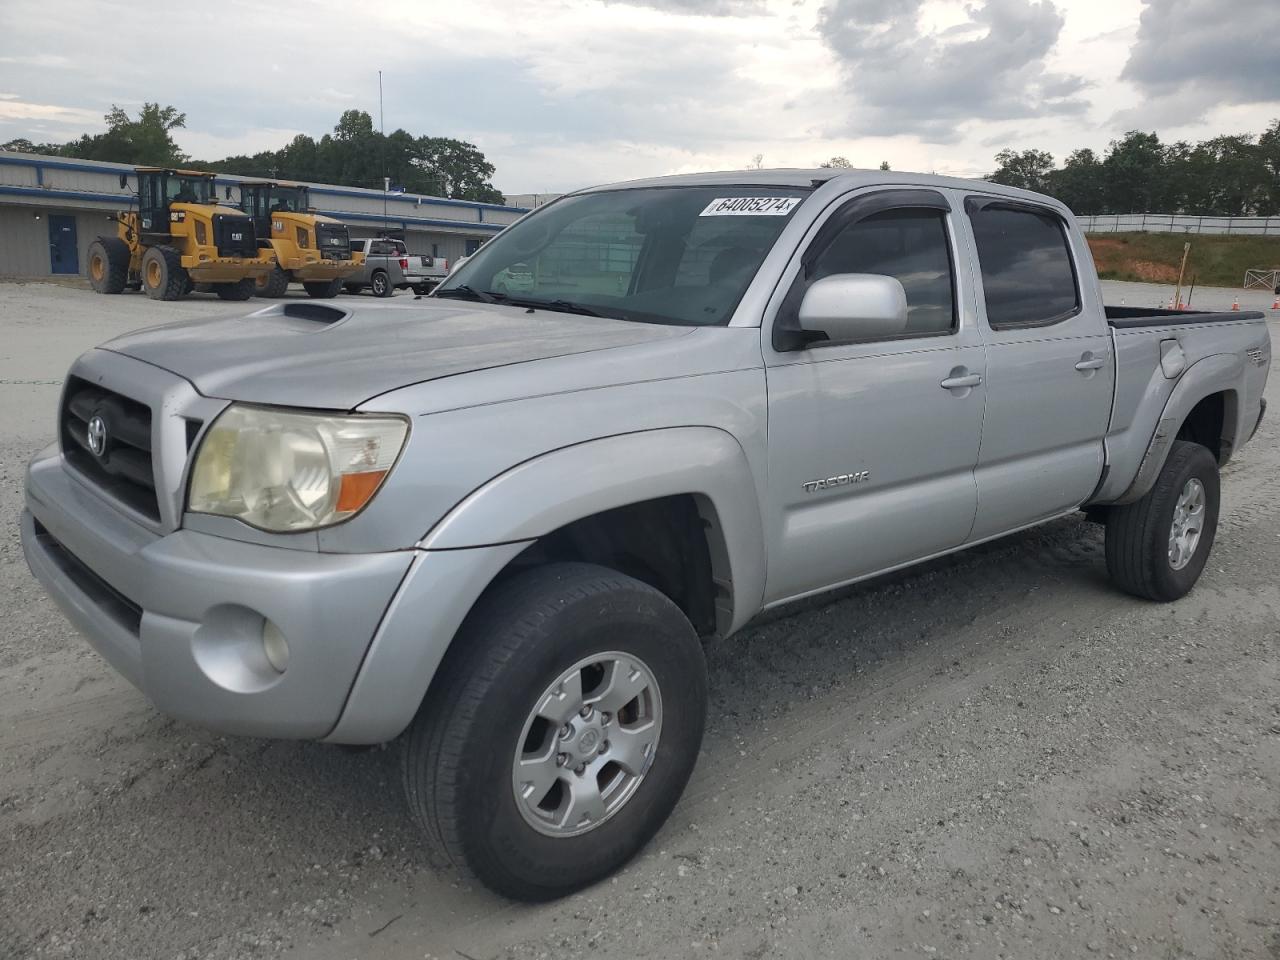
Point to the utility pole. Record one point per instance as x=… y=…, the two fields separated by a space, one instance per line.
x=386 y=180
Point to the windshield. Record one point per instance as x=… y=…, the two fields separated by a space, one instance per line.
x=289 y=199
x=183 y=189
x=678 y=255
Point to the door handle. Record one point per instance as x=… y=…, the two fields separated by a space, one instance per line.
x=1091 y=363
x=961 y=382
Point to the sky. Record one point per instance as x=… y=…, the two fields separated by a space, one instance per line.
x=566 y=93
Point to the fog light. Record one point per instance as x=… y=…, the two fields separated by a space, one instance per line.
x=275 y=646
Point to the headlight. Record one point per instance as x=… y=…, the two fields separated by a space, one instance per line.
x=286 y=471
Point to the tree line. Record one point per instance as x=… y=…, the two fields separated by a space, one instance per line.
x=1227 y=176
x=353 y=155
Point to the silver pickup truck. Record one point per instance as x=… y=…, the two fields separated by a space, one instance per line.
x=499 y=526
x=389 y=266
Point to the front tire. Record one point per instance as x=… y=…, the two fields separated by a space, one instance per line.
x=108 y=265
x=240 y=290
x=163 y=277
x=380 y=285
x=1157 y=546
x=273 y=285
x=322 y=289
x=560 y=731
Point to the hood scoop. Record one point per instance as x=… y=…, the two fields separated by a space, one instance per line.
x=310 y=315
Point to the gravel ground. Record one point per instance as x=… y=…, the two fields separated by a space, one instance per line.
x=994 y=755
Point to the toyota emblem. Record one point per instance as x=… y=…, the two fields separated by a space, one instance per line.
x=97 y=435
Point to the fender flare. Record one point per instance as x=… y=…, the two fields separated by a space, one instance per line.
x=540 y=495
x=1219 y=373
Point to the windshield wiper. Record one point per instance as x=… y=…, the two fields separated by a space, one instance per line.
x=563 y=306
x=464 y=292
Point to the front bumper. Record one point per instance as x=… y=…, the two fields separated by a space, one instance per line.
x=304 y=270
x=214 y=269
x=180 y=615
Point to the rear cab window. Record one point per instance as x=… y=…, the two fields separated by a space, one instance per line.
x=1028 y=275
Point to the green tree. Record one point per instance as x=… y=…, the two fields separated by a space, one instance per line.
x=458 y=168
x=1134 y=173
x=1269 y=150
x=1079 y=184
x=1028 y=169
x=146 y=141
x=837 y=163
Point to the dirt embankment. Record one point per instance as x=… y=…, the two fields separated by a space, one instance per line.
x=1214 y=261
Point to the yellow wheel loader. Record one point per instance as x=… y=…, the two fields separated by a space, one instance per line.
x=179 y=236
x=308 y=248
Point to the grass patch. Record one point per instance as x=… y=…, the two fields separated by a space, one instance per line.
x=1215 y=261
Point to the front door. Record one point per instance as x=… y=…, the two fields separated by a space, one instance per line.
x=1050 y=373
x=872 y=445
x=64 y=256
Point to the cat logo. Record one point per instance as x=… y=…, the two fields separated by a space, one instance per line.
x=237 y=237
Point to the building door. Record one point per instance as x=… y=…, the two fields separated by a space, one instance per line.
x=472 y=247
x=64 y=254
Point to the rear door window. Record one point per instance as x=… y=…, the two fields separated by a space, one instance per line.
x=1028 y=277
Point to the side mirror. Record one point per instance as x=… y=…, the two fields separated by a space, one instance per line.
x=854 y=306
x=124 y=181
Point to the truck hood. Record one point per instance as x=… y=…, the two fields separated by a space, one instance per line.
x=272 y=357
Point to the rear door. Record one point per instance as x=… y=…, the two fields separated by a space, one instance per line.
x=1050 y=373
x=872 y=444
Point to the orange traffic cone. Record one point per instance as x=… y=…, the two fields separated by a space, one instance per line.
x=1275 y=304
x=1235 y=304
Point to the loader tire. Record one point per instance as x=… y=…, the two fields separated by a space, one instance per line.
x=274 y=284
x=240 y=290
x=163 y=277
x=108 y=265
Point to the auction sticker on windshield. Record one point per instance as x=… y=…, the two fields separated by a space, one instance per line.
x=750 y=207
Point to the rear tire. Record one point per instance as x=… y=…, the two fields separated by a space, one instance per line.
x=163 y=277
x=483 y=719
x=108 y=265
x=322 y=289
x=240 y=290
x=380 y=285
x=1147 y=555
x=274 y=284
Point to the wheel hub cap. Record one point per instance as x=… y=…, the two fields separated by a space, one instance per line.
x=587 y=744
x=1188 y=524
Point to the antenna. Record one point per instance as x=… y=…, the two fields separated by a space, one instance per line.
x=386 y=181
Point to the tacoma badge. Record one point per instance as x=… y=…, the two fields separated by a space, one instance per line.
x=813 y=486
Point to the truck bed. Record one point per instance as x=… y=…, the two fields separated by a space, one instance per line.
x=1128 y=317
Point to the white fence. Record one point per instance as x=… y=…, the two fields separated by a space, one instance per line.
x=1180 y=223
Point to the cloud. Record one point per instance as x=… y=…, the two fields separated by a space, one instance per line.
x=38 y=60
x=906 y=80
x=699 y=8
x=12 y=108
x=1191 y=56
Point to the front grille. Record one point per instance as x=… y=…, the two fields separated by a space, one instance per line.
x=234 y=236
x=333 y=241
x=107 y=598
x=123 y=466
